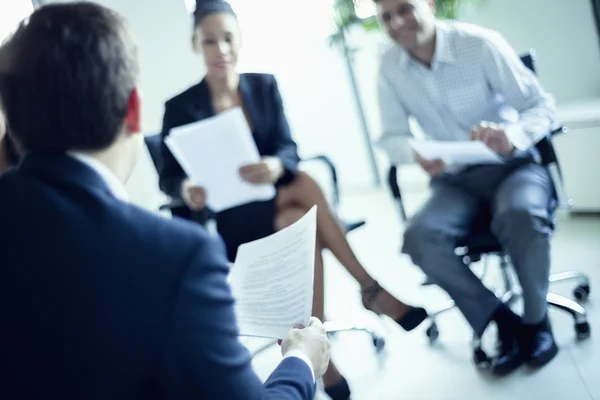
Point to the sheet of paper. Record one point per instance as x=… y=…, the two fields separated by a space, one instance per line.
x=211 y=153
x=463 y=152
x=272 y=280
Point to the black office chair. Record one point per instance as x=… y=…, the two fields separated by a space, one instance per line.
x=480 y=244
x=154 y=142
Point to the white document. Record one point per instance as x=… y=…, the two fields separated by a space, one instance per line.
x=464 y=152
x=272 y=280
x=211 y=153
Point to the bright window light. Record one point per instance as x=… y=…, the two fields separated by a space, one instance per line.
x=364 y=8
x=11 y=13
x=190 y=6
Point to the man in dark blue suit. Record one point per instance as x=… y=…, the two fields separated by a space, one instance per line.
x=100 y=299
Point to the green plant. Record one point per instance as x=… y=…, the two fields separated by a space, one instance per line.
x=346 y=18
x=448 y=9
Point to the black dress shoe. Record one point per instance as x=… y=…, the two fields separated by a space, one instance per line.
x=539 y=342
x=510 y=355
x=509 y=358
x=339 y=391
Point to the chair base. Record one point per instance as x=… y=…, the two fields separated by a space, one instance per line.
x=335 y=327
x=579 y=314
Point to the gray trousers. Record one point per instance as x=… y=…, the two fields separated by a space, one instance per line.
x=521 y=198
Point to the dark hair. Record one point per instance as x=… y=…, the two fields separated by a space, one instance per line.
x=204 y=8
x=66 y=77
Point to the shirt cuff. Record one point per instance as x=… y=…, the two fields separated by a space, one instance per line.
x=303 y=357
x=397 y=149
x=518 y=137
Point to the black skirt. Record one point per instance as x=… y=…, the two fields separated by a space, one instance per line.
x=245 y=223
x=237 y=225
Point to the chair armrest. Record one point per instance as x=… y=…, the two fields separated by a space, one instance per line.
x=395 y=189
x=545 y=147
x=171 y=204
x=393 y=182
x=549 y=159
x=334 y=176
x=201 y=217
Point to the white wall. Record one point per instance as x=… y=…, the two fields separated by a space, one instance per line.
x=313 y=78
x=162 y=29
x=11 y=13
x=565 y=40
x=562 y=32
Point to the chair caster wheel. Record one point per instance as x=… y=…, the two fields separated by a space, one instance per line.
x=583 y=330
x=582 y=292
x=432 y=333
x=481 y=360
x=379 y=343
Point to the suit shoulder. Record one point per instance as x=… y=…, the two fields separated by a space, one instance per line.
x=260 y=81
x=172 y=237
x=258 y=77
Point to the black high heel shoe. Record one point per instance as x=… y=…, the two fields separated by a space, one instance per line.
x=409 y=321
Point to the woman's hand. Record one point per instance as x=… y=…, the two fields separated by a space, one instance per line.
x=268 y=170
x=193 y=196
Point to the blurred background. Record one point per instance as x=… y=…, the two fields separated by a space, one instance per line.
x=293 y=40
x=332 y=48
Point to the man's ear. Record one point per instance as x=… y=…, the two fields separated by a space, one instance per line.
x=133 y=119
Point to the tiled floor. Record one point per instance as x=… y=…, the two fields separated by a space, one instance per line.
x=410 y=368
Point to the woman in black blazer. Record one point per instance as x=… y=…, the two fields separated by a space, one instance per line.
x=217 y=38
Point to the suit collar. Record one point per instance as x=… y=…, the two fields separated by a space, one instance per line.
x=249 y=99
x=111 y=180
x=62 y=168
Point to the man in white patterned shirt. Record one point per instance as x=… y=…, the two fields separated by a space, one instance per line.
x=464 y=82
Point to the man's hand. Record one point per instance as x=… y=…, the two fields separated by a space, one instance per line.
x=193 y=196
x=494 y=136
x=311 y=341
x=269 y=170
x=432 y=167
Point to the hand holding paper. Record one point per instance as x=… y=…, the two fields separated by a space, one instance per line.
x=272 y=280
x=268 y=170
x=463 y=152
x=212 y=151
x=493 y=136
